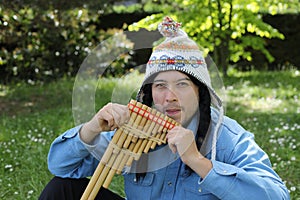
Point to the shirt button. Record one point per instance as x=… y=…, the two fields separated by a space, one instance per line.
x=134 y=179
x=199 y=190
x=169 y=183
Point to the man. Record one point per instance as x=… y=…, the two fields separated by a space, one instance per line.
x=209 y=156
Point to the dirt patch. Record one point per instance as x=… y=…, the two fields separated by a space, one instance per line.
x=16 y=107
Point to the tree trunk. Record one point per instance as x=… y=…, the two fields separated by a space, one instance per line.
x=221 y=56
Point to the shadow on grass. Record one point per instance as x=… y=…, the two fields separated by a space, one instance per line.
x=272 y=78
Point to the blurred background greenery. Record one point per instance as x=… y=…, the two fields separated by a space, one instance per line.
x=44 y=40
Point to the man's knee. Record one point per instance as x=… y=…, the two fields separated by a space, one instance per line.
x=64 y=188
x=67 y=188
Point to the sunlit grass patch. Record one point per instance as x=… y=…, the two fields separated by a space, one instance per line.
x=267 y=104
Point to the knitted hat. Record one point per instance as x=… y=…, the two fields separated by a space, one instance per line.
x=178 y=52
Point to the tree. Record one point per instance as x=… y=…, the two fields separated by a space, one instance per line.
x=48 y=39
x=226 y=29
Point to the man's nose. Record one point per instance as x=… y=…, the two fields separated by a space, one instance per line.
x=170 y=95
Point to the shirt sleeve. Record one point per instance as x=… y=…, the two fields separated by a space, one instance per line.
x=69 y=157
x=248 y=175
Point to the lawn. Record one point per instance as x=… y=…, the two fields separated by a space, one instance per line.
x=266 y=103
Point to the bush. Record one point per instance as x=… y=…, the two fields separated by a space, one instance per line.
x=44 y=44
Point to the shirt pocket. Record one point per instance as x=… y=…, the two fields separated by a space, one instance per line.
x=193 y=191
x=138 y=189
x=198 y=193
x=71 y=133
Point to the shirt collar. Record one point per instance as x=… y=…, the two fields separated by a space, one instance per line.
x=207 y=143
x=193 y=125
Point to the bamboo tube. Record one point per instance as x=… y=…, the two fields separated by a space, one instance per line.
x=162 y=136
x=100 y=166
x=151 y=126
x=91 y=188
x=164 y=131
x=126 y=158
x=128 y=161
x=101 y=179
x=115 y=166
x=128 y=144
x=138 y=118
x=142 y=142
x=154 y=130
x=158 y=132
x=119 y=143
x=140 y=121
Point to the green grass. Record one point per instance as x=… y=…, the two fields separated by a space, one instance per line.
x=266 y=103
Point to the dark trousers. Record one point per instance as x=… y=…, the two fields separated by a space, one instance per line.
x=72 y=189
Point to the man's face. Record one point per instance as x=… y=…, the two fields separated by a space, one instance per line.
x=175 y=95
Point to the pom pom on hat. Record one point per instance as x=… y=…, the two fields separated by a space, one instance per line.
x=168 y=27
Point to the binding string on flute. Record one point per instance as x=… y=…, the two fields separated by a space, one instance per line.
x=146 y=128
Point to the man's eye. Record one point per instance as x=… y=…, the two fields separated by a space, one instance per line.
x=160 y=85
x=182 y=84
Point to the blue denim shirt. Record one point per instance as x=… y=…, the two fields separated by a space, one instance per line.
x=242 y=170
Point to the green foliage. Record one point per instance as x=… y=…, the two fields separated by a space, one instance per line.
x=126 y=9
x=265 y=103
x=45 y=40
x=40 y=43
x=229 y=29
x=49 y=39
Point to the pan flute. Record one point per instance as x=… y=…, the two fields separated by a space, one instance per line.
x=146 y=128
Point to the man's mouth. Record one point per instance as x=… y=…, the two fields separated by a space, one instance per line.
x=172 y=111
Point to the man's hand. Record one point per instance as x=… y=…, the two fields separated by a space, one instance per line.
x=108 y=118
x=182 y=140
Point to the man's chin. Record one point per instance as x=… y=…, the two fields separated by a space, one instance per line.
x=178 y=120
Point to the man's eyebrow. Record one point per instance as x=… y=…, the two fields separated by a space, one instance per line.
x=184 y=79
x=181 y=79
x=159 y=80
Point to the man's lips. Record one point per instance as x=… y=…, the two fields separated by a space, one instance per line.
x=172 y=111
